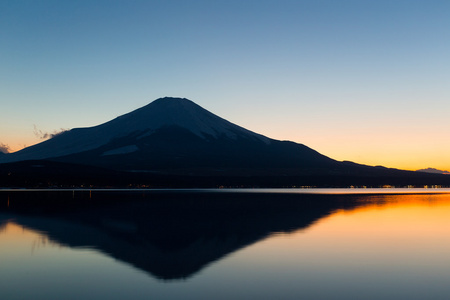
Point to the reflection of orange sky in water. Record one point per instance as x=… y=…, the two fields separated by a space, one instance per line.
x=11 y=228
x=388 y=215
x=404 y=232
x=393 y=219
x=14 y=239
x=13 y=233
x=391 y=227
x=406 y=214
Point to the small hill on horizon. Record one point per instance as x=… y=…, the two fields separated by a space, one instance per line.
x=433 y=171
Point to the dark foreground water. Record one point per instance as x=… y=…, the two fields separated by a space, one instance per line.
x=215 y=245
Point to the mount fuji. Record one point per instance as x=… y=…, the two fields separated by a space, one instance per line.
x=176 y=137
x=172 y=135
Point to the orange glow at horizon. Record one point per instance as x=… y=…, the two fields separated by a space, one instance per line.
x=406 y=150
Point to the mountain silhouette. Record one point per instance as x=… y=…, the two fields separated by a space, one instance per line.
x=168 y=235
x=174 y=142
x=175 y=136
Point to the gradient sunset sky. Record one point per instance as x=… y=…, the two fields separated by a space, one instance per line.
x=366 y=81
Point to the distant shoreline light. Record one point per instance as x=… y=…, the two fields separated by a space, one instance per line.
x=433 y=189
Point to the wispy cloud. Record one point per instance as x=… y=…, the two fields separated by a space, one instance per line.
x=4 y=148
x=47 y=135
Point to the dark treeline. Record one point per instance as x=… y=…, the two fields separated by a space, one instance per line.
x=46 y=174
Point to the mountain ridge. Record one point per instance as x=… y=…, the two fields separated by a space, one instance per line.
x=176 y=138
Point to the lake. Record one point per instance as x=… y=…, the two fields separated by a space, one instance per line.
x=225 y=244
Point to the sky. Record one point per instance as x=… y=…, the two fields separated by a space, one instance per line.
x=365 y=81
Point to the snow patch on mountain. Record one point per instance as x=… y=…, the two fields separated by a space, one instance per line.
x=121 y=150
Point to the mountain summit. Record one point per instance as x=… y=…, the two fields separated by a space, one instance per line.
x=182 y=113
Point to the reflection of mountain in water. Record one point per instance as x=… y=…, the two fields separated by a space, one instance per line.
x=170 y=235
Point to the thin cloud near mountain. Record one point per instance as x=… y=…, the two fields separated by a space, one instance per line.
x=4 y=148
x=47 y=135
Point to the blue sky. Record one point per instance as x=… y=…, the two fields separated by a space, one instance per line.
x=366 y=81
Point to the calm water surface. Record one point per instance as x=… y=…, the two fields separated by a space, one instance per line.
x=211 y=245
